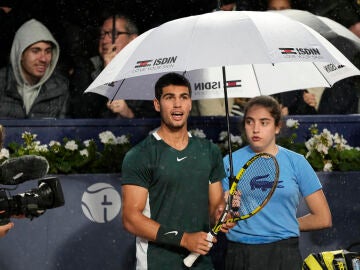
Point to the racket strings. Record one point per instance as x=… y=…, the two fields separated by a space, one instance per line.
x=256 y=184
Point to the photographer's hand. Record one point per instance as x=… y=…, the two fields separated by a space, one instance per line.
x=5 y=228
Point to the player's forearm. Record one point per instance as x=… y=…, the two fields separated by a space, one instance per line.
x=319 y=216
x=141 y=226
x=216 y=201
x=311 y=222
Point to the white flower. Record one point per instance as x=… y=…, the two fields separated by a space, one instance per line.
x=223 y=135
x=327 y=166
x=107 y=137
x=323 y=142
x=236 y=139
x=198 y=133
x=122 y=140
x=4 y=153
x=27 y=134
x=340 y=142
x=71 y=145
x=322 y=148
x=55 y=146
x=291 y=123
x=84 y=152
x=53 y=143
x=225 y=145
x=310 y=144
x=87 y=142
x=41 y=148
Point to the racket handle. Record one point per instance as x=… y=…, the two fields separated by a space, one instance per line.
x=191 y=258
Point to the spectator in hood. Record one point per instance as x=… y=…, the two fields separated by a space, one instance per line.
x=30 y=87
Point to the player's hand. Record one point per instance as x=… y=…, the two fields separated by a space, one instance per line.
x=225 y=227
x=197 y=242
x=235 y=204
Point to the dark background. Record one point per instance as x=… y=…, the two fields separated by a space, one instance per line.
x=75 y=23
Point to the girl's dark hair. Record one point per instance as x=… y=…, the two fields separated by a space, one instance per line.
x=168 y=79
x=269 y=103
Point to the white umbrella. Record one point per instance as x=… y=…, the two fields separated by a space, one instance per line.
x=262 y=53
x=235 y=54
x=340 y=36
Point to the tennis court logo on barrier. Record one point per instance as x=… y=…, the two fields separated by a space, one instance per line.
x=101 y=203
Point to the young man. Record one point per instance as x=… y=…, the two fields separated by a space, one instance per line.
x=170 y=185
x=30 y=87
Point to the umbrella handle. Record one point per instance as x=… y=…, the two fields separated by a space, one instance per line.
x=113 y=31
x=228 y=125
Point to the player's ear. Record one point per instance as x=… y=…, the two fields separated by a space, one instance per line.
x=156 y=104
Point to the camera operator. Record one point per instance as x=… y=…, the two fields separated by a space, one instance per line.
x=4 y=229
x=32 y=203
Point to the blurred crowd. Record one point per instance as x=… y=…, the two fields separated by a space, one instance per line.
x=47 y=79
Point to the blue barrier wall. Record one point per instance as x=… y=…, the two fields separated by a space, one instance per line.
x=67 y=238
x=83 y=129
x=87 y=232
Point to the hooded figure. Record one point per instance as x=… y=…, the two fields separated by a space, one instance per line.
x=30 y=87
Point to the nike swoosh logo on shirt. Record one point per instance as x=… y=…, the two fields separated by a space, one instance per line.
x=172 y=232
x=180 y=159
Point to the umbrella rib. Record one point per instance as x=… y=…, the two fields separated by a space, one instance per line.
x=330 y=85
x=256 y=79
x=117 y=90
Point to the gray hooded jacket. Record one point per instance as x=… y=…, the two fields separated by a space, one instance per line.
x=46 y=99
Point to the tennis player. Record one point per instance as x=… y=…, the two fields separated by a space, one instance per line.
x=171 y=186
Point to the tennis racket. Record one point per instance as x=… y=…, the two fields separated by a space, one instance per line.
x=259 y=177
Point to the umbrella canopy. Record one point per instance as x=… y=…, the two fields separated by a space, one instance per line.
x=248 y=52
x=340 y=36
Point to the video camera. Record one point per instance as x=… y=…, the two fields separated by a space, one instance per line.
x=34 y=202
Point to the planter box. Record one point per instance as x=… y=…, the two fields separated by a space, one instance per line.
x=342 y=191
x=87 y=232
x=83 y=129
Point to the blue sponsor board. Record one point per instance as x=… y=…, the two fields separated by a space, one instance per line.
x=87 y=233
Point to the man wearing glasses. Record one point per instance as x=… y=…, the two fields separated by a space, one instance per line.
x=116 y=32
x=125 y=31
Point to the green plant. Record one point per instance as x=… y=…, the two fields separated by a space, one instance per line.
x=324 y=151
x=235 y=141
x=73 y=156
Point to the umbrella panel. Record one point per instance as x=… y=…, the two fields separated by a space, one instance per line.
x=241 y=81
x=215 y=40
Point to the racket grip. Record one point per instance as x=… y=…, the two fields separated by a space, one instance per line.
x=192 y=257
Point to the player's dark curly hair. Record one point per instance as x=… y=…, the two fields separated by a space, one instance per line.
x=168 y=79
